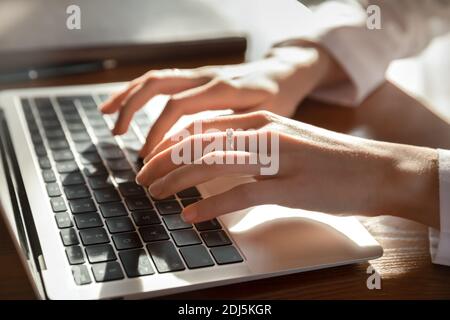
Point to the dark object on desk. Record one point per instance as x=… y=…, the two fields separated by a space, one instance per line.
x=56 y=71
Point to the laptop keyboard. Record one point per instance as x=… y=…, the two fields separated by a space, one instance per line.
x=110 y=227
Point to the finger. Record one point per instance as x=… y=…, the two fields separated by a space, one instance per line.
x=213 y=165
x=242 y=121
x=153 y=85
x=190 y=150
x=114 y=103
x=215 y=95
x=238 y=198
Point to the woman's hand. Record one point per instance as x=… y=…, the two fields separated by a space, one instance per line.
x=319 y=170
x=277 y=84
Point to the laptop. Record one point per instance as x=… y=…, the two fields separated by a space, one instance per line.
x=85 y=230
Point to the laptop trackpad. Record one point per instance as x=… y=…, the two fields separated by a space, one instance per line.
x=274 y=238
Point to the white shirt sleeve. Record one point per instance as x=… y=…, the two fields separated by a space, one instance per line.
x=407 y=27
x=440 y=240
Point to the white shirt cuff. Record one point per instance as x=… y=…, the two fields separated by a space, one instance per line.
x=340 y=28
x=440 y=240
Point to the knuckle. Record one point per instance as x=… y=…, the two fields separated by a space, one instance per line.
x=205 y=71
x=221 y=84
x=264 y=116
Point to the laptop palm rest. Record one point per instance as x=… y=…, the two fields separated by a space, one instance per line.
x=276 y=239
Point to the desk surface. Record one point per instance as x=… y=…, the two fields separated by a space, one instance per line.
x=405 y=267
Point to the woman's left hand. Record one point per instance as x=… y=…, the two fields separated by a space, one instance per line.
x=318 y=170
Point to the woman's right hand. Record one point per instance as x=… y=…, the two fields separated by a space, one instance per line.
x=276 y=83
x=309 y=168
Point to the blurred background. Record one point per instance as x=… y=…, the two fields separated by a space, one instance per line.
x=33 y=34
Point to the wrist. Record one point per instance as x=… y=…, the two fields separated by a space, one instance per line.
x=322 y=68
x=411 y=184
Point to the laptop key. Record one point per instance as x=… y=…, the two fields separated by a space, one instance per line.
x=131 y=189
x=103 y=97
x=102 y=131
x=88 y=220
x=82 y=147
x=124 y=176
x=40 y=150
x=92 y=170
x=81 y=275
x=48 y=114
x=106 y=195
x=168 y=207
x=63 y=220
x=69 y=237
x=215 y=238
x=96 y=121
x=62 y=155
x=153 y=233
x=72 y=179
x=165 y=256
x=185 y=237
x=72 y=116
x=226 y=255
x=58 y=204
x=107 y=271
x=75 y=126
x=136 y=263
x=120 y=224
x=53 y=189
x=94 y=236
x=175 y=222
x=144 y=218
x=115 y=209
x=189 y=193
x=90 y=158
x=48 y=175
x=66 y=166
x=36 y=137
x=44 y=163
x=129 y=240
x=129 y=136
x=141 y=203
x=54 y=134
x=196 y=257
x=80 y=136
x=75 y=255
x=188 y=202
x=111 y=152
x=49 y=124
x=119 y=165
x=208 y=225
x=100 y=182
x=58 y=144
x=100 y=253
x=77 y=192
x=82 y=206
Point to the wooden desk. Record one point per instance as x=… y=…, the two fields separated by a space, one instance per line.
x=406 y=271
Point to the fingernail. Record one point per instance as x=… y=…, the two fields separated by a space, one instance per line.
x=189 y=215
x=137 y=180
x=156 y=188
